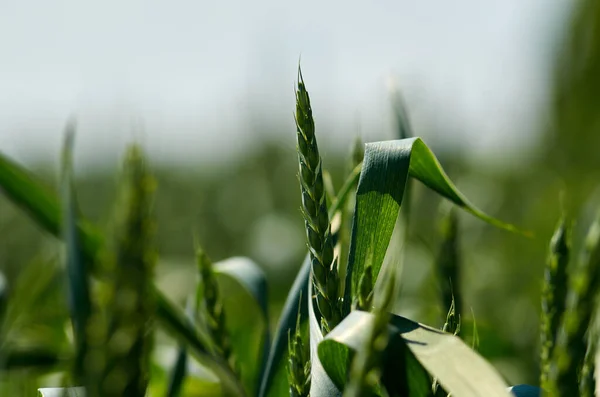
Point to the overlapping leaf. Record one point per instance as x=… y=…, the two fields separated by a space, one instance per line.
x=459 y=369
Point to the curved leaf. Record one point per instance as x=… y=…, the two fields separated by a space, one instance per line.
x=381 y=188
x=242 y=280
x=459 y=369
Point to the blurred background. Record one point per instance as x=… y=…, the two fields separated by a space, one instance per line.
x=504 y=92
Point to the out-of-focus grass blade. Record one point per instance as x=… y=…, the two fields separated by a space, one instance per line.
x=459 y=369
x=78 y=278
x=31 y=359
x=381 y=189
x=179 y=372
x=43 y=207
x=3 y=298
x=62 y=392
x=178 y=375
x=41 y=203
x=242 y=280
x=275 y=373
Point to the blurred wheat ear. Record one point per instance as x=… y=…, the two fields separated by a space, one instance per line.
x=210 y=309
x=120 y=362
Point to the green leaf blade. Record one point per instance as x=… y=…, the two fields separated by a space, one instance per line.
x=381 y=188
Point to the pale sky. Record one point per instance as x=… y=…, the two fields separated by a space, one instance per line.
x=194 y=72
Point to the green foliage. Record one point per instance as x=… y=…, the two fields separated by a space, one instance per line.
x=357 y=344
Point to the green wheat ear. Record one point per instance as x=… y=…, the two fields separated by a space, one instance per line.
x=122 y=330
x=554 y=295
x=571 y=344
x=299 y=364
x=210 y=308
x=325 y=276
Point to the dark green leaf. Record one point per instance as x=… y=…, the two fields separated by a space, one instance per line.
x=77 y=272
x=178 y=374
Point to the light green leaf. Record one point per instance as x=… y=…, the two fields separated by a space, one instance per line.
x=459 y=369
x=62 y=392
x=381 y=188
x=242 y=280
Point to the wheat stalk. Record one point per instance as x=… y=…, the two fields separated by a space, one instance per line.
x=324 y=268
x=571 y=345
x=554 y=295
x=299 y=364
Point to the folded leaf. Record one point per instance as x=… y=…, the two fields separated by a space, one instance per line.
x=458 y=368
